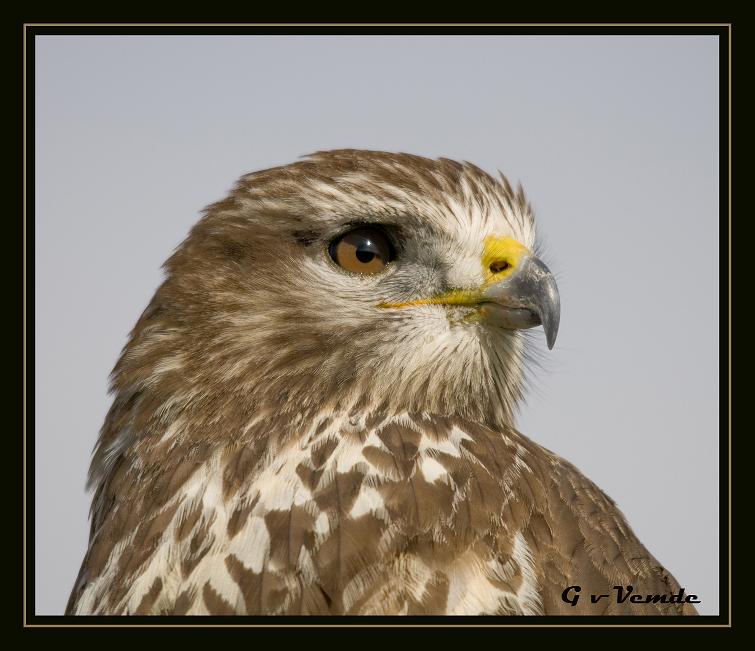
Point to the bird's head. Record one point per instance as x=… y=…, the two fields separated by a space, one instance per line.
x=350 y=281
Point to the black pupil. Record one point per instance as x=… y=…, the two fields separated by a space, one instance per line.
x=364 y=252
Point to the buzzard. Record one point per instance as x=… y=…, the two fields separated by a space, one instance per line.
x=315 y=414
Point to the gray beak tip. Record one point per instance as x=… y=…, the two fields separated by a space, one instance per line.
x=548 y=306
x=551 y=332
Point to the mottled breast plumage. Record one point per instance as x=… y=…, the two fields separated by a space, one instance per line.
x=410 y=514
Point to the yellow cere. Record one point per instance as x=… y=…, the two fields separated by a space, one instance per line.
x=496 y=249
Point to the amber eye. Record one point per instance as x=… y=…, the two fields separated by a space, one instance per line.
x=363 y=251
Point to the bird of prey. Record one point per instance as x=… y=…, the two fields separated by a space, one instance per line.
x=315 y=414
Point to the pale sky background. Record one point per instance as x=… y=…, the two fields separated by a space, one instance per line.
x=615 y=140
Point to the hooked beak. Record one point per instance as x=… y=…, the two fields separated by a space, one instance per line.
x=519 y=292
x=526 y=298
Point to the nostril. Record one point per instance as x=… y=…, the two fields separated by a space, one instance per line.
x=498 y=266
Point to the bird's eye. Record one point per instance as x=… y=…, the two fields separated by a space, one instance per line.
x=363 y=251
